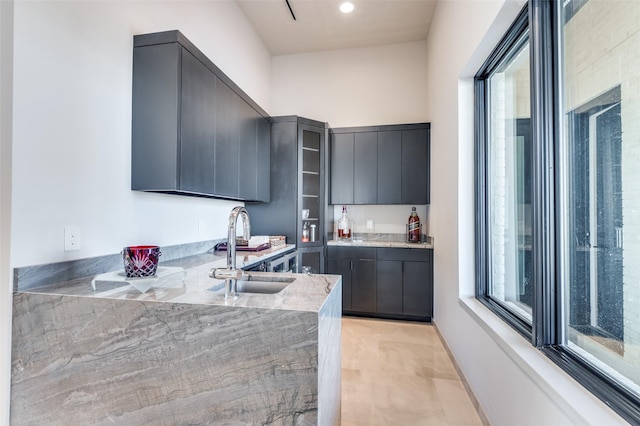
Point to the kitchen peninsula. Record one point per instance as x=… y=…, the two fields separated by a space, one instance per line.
x=178 y=353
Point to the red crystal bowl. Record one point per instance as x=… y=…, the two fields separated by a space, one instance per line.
x=140 y=261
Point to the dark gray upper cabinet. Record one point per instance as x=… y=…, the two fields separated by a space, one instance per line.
x=194 y=131
x=198 y=111
x=227 y=151
x=389 y=167
x=365 y=168
x=342 y=157
x=380 y=164
x=263 y=169
x=415 y=172
x=248 y=153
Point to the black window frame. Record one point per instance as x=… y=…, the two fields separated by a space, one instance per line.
x=505 y=50
x=541 y=18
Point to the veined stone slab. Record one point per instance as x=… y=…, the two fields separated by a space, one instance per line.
x=177 y=356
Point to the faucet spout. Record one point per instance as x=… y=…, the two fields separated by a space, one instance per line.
x=232 y=234
x=229 y=274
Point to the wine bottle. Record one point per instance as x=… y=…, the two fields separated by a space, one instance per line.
x=344 y=225
x=413 y=228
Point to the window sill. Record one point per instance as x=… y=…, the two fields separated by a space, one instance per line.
x=580 y=405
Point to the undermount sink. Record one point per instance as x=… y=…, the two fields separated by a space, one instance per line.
x=259 y=282
x=267 y=277
x=265 y=287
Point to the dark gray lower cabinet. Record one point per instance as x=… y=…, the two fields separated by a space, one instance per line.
x=363 y=285
x=357 y=265
x=389 y=287
x=384 y=282
x=417 y=289
x=312 y=257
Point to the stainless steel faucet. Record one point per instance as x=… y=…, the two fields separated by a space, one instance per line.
x=231 y=274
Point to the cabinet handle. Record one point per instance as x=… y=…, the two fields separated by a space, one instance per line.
x=351 y=265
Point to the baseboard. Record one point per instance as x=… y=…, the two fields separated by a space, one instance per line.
x=463 y=379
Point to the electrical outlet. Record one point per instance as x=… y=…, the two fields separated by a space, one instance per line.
x=71 y=238
x=370 y=224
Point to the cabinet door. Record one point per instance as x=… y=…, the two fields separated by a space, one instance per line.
x=415 y=166
x=264 y=160
x=155 y=125
x=313 y=258
x=248 y=151
x=342 y=151
x=342 y=267
x=365 y=168
x=197 y=132
x=363 y=285
x=227 y=144
x=311 y=182
x=417 y=290
x=389 y=287
x=389 y=167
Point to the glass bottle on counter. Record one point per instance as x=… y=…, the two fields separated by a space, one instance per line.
x=344 y=225
x=413 y=227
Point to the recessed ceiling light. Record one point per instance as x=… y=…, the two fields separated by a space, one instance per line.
x=346 y=7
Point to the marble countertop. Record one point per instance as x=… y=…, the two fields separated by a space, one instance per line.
x=194 y=286
x=381 y=242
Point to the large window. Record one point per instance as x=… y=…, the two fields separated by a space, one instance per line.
x=558 y=189
x=599 y=226
x=504 y=97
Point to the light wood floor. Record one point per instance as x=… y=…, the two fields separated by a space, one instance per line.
x=399 y=373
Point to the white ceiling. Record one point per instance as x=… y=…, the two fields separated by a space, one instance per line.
x=319 y=24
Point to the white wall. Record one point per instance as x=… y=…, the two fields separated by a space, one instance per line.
x=72 y=123
x=514 y=383
x=71 y=136
x=387 y=219
x=6 y=62
x=353 y=87
x=357 y=87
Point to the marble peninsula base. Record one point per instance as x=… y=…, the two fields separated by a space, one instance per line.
x=93 y=361
x=161 y=359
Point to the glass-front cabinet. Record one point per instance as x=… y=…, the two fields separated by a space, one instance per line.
x=311 y=219
x=298 y=203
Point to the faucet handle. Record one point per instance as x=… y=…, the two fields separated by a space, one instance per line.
x=226 y=274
